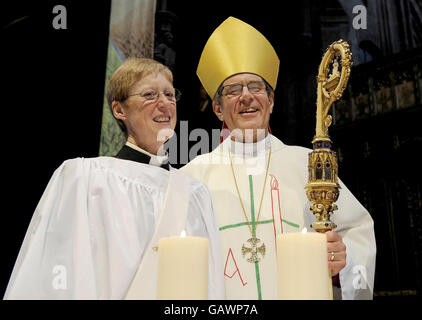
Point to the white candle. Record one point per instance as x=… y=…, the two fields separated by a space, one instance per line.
x=182 y=268
x=302 y=266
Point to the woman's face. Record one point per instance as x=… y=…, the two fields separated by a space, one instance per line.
x=149 y=122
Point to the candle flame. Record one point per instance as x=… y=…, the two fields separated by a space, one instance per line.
x=183 y=234
x=304 y=230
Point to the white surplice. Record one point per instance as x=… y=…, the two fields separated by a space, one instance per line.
x=91 y=229
x=285 y=208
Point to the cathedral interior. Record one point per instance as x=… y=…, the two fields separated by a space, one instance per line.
x=53 y=87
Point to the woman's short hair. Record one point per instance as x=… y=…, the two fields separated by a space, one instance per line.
x=130 y=72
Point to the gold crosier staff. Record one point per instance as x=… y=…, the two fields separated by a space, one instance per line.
x=322 y=188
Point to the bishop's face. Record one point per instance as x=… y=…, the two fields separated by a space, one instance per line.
x=148 y=120
x=249 y=108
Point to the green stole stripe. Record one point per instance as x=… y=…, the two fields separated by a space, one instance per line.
x=259 y=222
x=258 y=277
x=243 y=224
x=252 y=207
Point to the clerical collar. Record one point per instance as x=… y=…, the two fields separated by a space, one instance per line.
x=248 y=148
x=132 y=152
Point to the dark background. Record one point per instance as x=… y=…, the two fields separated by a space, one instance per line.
x=52 y=96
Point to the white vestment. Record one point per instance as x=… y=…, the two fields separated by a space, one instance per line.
x=285 y=208
x=93 y=226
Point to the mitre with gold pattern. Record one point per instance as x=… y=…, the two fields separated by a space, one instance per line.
x=236 y=47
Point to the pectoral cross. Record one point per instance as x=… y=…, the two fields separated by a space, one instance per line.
x=254 y=250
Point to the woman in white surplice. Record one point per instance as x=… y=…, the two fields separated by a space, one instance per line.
x=92 y=232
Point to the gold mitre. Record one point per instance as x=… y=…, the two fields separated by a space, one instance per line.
x=236 y=47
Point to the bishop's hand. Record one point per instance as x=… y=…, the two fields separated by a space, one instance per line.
x=336 y=250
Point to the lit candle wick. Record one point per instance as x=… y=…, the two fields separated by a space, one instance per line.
x=183 y=234
x=304 y=230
